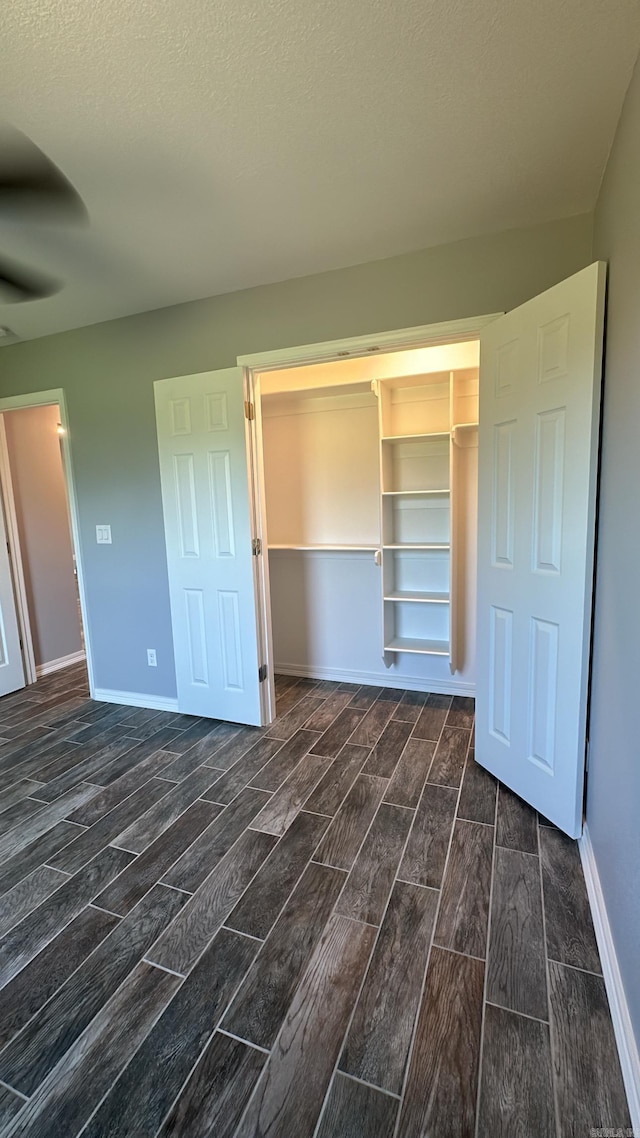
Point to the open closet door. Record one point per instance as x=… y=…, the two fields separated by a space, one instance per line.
x=206 y=494
x=540 y=378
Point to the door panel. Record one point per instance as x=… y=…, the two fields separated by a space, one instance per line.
x=207 y=510
x=540 y=369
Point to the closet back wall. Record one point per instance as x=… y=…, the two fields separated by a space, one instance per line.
x=322 y=489
x=321 y=469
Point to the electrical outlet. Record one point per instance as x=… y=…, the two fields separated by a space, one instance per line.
x=151 y=658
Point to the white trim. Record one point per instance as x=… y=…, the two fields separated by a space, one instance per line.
x=60 y=663
x=446 y=332
x=262 y=586
x=622 y=1026
x=43 y=399
x=375 y=679
x=34 y=399
x=135 y=699
x=15 y=556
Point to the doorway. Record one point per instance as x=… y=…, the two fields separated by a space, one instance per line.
x=44 y=629
x=370 y=473
x=362 y=361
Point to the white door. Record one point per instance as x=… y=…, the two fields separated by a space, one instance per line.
x=206 y=494
x=11 y=663
x=540 y=374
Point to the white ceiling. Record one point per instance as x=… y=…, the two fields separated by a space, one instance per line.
x=220 y=144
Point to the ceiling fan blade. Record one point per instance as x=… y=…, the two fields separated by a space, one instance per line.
x=18 y=284
x=31 y=185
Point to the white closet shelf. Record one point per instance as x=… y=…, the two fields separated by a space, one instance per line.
x=331 y=548
x=414 y=493
x=418 y=598
x=461 y=431
x=415 y=438
x=419 y=545
x=418 y=646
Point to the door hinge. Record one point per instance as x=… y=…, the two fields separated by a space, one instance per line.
x=249 y=410
x=262 y=672
x=256 y=546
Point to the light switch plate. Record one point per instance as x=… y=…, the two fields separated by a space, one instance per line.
x=103 y=535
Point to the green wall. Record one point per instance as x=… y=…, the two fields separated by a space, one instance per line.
x=613 y=788
x=107 y=372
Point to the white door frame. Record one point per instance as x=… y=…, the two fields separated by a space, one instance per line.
x=18 y=403
x=421 y=336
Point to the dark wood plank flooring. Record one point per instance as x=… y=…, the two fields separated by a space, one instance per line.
x=336 y=927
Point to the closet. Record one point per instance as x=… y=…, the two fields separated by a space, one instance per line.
x=327 y=520
x=370 y=485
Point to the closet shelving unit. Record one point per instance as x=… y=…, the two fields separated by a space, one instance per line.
x=422 y=419
x=369 y=497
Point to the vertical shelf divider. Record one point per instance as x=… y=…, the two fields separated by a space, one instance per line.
x=384 y=397
x=453 y=521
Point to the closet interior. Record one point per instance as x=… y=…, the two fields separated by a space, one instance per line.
x=370 y=496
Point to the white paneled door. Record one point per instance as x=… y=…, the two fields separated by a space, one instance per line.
x=11 y=663
x=540 y=377
x=207 y=502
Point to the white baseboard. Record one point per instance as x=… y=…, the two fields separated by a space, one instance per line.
x=375 y=679
x=135 y=699
x=60 y=663
x=625 y=1038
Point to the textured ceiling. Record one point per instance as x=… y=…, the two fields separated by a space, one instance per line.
x=220 y=144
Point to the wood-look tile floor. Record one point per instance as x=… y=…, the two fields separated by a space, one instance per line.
x=338 y=927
